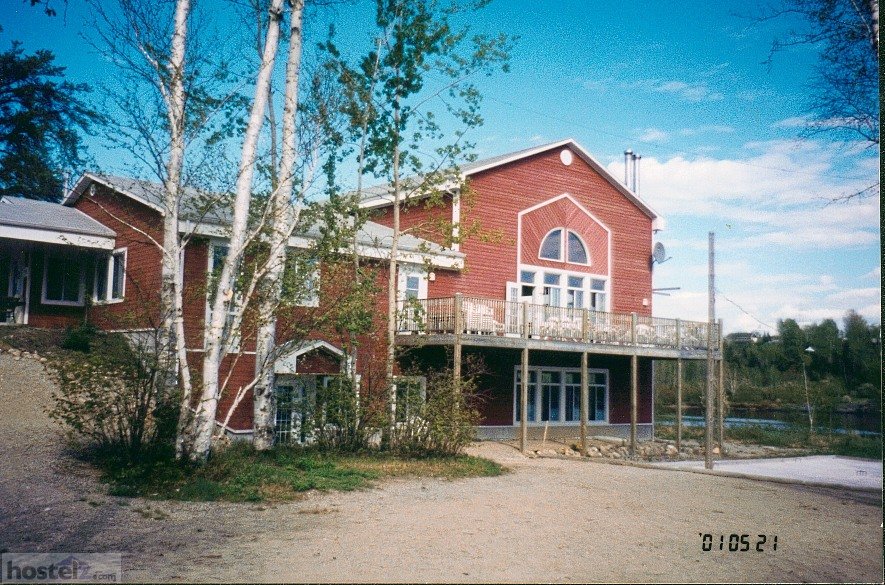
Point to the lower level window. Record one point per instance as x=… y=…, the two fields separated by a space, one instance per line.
x=63 y=277
x=554 y=395
x=110 y=276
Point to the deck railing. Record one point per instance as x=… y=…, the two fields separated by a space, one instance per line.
x=482 y=316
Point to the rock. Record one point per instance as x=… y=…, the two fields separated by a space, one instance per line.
x=672 y=450
x=593 y=452
x=15 y=352
x=715 y=450
x=43 y=360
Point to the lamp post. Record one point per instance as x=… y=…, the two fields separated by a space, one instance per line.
x=808 y=409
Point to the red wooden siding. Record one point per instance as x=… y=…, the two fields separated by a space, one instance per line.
x=563 y=213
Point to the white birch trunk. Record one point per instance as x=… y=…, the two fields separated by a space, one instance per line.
x=206 y=409
x=391 y=286
x=171 y=338
x=284 y=216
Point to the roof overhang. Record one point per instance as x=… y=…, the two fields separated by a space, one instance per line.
x=87 y=179
x=450 y=261
x=383 y=201
x=287 y=363
x=56 y=237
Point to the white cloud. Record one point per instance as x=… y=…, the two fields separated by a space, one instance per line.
x=653 y=135
x=875 y=273
x=689 y=91
x=707 y=129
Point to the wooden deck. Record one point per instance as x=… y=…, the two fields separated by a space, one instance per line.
x=482 y=322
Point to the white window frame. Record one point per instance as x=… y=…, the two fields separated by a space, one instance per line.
x=109 y=278
x=539 y=395
x=81 y=291
x=538 y=295
x=564 y=248
x=422 y=383
x=410 y=270
x=233 y=341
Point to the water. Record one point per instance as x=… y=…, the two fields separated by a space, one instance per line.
x=863 y=424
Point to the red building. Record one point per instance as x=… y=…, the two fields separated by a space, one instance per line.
x=561 y=294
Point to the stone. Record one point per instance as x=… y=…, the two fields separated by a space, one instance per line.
x=715 y=450
x=672 y=450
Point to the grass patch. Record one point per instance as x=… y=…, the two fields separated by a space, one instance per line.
x=792 y=437
x=241 y=474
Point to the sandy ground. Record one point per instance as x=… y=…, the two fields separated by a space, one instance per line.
x=546 y=520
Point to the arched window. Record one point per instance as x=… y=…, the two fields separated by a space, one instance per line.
x=553 y=246
x=577 y=253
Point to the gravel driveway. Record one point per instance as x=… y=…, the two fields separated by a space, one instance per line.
x=547 y=520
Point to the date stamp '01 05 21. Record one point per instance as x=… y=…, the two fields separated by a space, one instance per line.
x=738 y=542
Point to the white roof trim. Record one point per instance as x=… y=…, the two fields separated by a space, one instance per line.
x=30 y=234
x=287 y=363
x=81 y=184
x=381 y=201
x=378 y=252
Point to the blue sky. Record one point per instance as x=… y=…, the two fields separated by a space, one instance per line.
x=684 y=85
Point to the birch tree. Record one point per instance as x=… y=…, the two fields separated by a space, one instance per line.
x=415 y=43
x=283 y=218
x=216 y=338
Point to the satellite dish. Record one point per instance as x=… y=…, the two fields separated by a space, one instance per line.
x=659 y=254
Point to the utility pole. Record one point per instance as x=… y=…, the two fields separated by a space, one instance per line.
x=711 y=319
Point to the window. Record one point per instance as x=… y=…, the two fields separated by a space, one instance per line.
x=217 y=256
x=577 y=253
x=110 y=277
x=552 y=291
x=412 y=283
x=527 y=278
x=559 y=398
x=575 y=293
x=291 y=411
x=532 y=394
x=551 y=381
x=597 y=294
x=62 y=277
x=411 y=393
x=575 y=250
x=551 y=247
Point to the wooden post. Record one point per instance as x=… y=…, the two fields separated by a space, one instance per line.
x=679 y=387
x=585 y=400
x=721 y=393
x=524 y=386
x=711 y=314
x=634 y=386
x=585 y=325
x=459 y=329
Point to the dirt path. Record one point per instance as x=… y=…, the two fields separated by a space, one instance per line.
x=546 y=520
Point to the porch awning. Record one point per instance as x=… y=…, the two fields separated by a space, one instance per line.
x=287 y=363
x=52 y=223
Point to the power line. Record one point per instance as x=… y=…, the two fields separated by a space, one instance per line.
x=659 y=148
x=744 y=311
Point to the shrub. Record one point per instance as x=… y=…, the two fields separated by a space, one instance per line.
x=113 y=398
x=438 y=419
x=80 y=338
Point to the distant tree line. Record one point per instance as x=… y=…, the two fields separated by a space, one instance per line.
x=842 y=366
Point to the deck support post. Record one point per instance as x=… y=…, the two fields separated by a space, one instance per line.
x=524 y=385
x=711 y=311
x=585 y=325
x=634 y=385
x=679 y=387
x=585 y=402
x=721 y=392
x=459 y=329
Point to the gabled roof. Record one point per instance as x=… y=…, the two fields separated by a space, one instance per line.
x=209 y=214
x=44 y=215
x=380 y=196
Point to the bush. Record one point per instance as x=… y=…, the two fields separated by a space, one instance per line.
x=113 y=398
x=438 y=419
x=80 y=338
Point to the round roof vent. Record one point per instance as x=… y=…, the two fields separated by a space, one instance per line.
x=566 y=157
